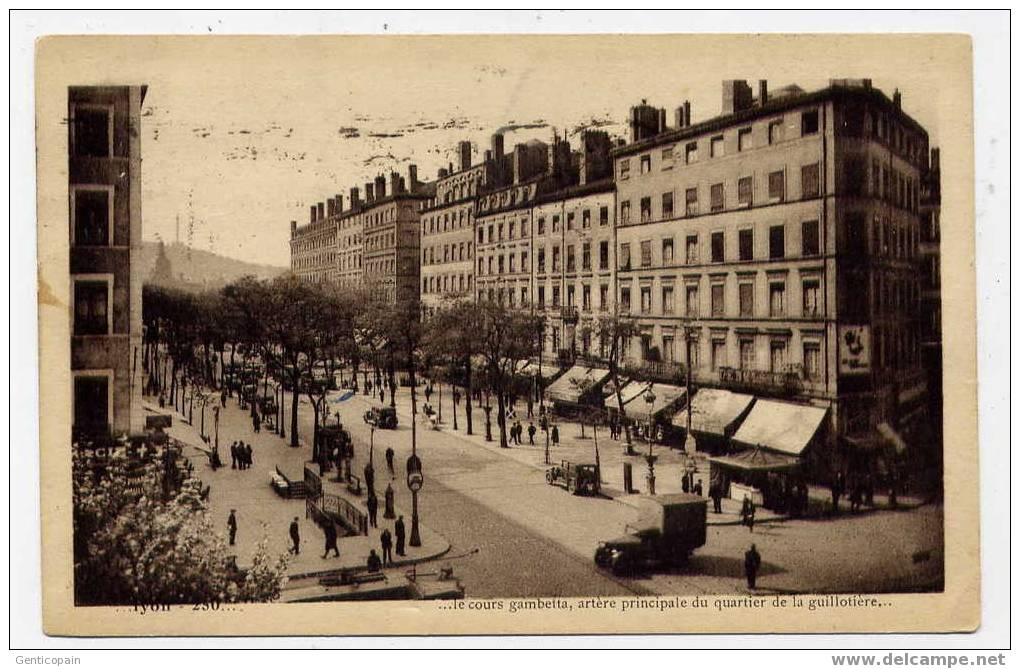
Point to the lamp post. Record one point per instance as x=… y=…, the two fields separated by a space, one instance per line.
x=216 y=417
x=456 y=403
x=415 y=479
x=689 y=444
x=650 y=399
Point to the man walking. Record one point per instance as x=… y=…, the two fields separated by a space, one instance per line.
x=398 y=530
x=247 y=456
x=389 y=460
x=555 y=434
x=330 y=531
x=232 y=526
x=370 y=478
x=233 y=455
x=752 y=561
x=386 y=541
x=715 y=492
x=295 y=537
x=373 y=507
x=531 y=433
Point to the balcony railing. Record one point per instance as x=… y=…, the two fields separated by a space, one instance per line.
x=788 y=382
x=569 y=314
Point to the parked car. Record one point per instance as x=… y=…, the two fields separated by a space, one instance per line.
x=384 y=418
x=580 y=479
x=672 y=527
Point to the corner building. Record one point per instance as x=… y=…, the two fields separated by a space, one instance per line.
x=774 y=250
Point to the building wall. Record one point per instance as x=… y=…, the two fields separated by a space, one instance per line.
x=115 y=354
x=503 y=240
x=391 y=246
x=314 y=250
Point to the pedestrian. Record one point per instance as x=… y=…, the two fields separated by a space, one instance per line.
x=233 y=455
x=386 y=541
x=388 y=502
x=295 y=537
x=373 y=507
x=223 y=398
x=370 y=478
x=258 y=422
x=698 y=489
x=856 y=497
x=247 y=456
x=749 y=514
x=555 y=434
x=389 y=460
x=531 y=433
x=715 y=492
x=531 y=406
x=398 y=530
x=382 y=395
x=330 y=530
x=837 y=488
x=685 y=482
x=752 y=562
x=374 y=564
x=232 y=525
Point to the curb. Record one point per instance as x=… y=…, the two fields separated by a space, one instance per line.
x=360 y=568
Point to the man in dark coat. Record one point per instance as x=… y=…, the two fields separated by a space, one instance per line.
x=374 y=563
x=752 y=562
x=398 y=530
x=373 y=507
x=715 y=492
x=555 y=435
x=295 y=537
x=531 y=433
x=386 y=541
x=232 y=526
x=330 y=531
x=233 y=455
x=370 y=477
x=389 y=460
x=247 y=456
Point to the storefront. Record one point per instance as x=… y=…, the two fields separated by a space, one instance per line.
x=650 y=405
x=578 y=386
x=715 y=416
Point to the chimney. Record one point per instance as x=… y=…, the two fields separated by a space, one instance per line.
x=395 y=188
x=380 y=187
x=442 y=172
x=312 y=219
x=520 y=151
x=402 y=185
x=369 y=191
x=464 y=150
x=355 y=199
x=412 y=176
x=497 y=145
x=736 y=96
x=488 y=156
x=293 y=228
x=763 y=91
x=897 y=99
x=687 y=113
x=662 y=121
x=330 y=207
x=678 y=117
x=339 y=203
x=322 y=212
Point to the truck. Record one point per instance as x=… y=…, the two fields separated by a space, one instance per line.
x=580 y=479
x=384 y=418
x=670 y=528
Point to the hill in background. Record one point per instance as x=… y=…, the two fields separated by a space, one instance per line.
x=194 y=269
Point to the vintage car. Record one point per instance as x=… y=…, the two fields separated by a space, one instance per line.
x=384 y=418
x=580 y=479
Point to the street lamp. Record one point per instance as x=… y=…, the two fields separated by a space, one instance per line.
x=689 y=444
x=650 y=400
x=216 y=416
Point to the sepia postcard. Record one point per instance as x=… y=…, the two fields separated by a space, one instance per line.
x=507 y=334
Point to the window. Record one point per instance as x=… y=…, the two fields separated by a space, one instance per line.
x=524 y=261
x=512 y=227
x=777 y=300
x=555 y=258
x=570 y=296
x=667 y=250
x=92 y=131
x=512 y=263
x=775 y=131
x=718 y=300
x=646 y=299
x=625 y=212
x=556 y=297
x=646 y=253
x=812 y=299
x=746 y=291
x=91 y=217
x=777 y=186
x=625 y=168
x=691 y=249
x=692 y=201
x=718 y=244
x=777 y=242
x=586 y=219
x=691 y=301
x=500 y=232
x=745 y=190
x=625 y=298
x=691 y=153
x=715 y=148
x=667 y=158
x=667 y=300
x=625 y=256
x=556 y=223
x=746 y=243
x=716 y=195
x=777 y=359
x=524 y=297
x=667 y=205
x=809 y=238
x=571 y=261
x=541 y=226
x=718 y=354
x=692 y=355
x=744 y=141
x=91 y=308
x=586 y=297
x=541 y=260
x=646 y=209
x=570 y=221
x=646 y=164
x=481 y=235
x=490 y=265
x=541 y=297
x=809 y=181
x=501 y=264
x=586 y=256
x=91 y=403
x=603 y=215
x=809 y=122
x=746 y=354
x=603 y=255
x=812 y=361
x=667 y=348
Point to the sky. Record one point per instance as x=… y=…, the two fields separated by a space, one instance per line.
x=241 y=135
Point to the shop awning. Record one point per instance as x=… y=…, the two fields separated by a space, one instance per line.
x=780 y=426
x=715 y=411
x=575 y=381
x=892 y=436
x=666 y=397
x=532 y=369
x=756 y=459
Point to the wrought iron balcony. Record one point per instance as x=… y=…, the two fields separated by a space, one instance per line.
x=758 y=380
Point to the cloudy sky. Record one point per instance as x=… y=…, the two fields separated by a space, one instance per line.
x=240 y=135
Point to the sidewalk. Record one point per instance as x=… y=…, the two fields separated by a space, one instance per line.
x=262 y=513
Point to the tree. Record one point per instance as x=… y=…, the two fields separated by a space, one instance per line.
x=613 y=332
x=452 y=336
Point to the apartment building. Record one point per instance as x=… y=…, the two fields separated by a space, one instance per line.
x=105 y=210
x=774 y=249
x=391 y=242
x=313 y=247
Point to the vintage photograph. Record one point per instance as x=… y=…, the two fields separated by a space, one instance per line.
x=439 y=318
